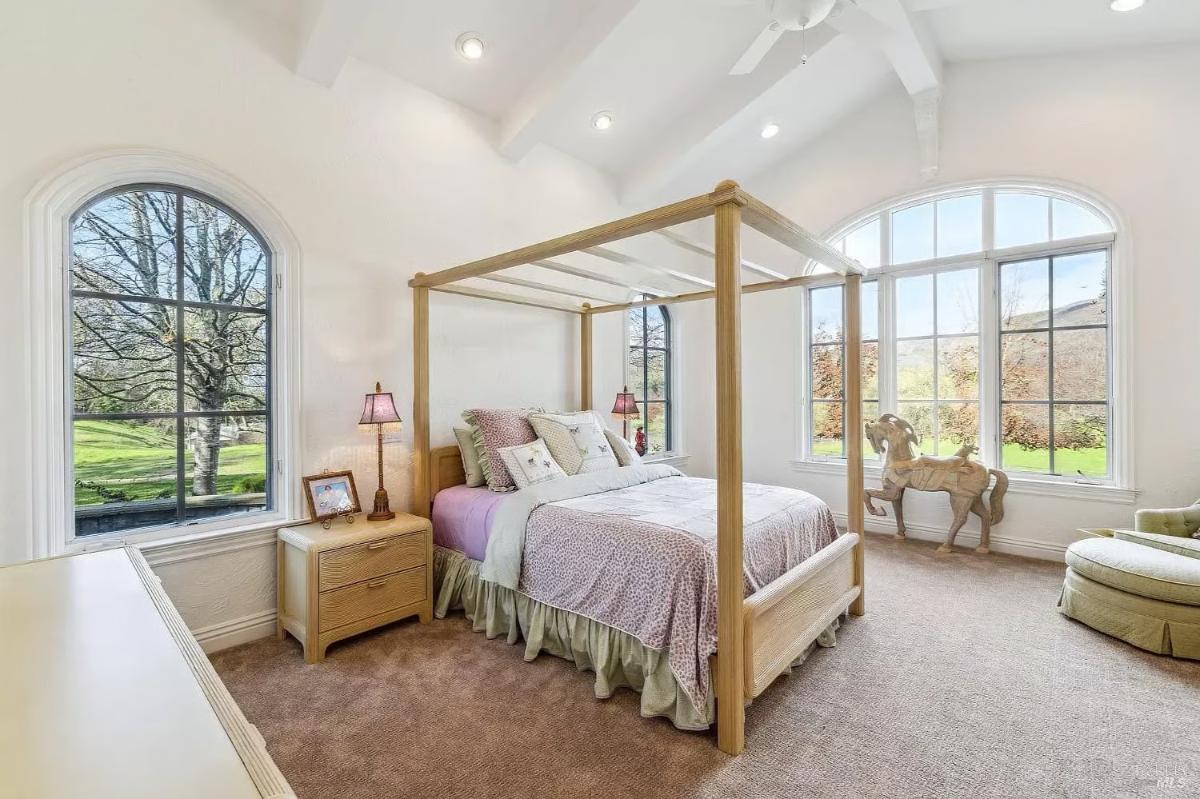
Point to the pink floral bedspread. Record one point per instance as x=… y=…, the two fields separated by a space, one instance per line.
x=642 y=559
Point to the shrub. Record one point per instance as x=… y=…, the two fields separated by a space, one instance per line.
x=251 y=484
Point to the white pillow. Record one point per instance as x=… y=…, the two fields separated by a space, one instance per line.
x=530 y=464
x=575 y=440
x=470 y=457
x=626 y=454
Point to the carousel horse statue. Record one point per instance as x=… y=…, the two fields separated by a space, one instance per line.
x=964 y=479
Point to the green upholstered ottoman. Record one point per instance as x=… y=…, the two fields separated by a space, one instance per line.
x=1146 y=595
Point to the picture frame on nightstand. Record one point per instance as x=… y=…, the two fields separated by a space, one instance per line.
x=330 y=495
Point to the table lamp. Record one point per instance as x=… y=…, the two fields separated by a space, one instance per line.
x=625 y=407
x=380 y=409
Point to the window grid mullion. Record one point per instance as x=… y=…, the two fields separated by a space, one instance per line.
x=935 y=422
x=1050 y=355
x=180 y=322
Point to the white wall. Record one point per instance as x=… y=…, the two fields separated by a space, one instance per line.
x=1123 y=124
x=377 y=179
x=380 y=180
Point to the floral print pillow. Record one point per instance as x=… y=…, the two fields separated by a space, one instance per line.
x=496 y=428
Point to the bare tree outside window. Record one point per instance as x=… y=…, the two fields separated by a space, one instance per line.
x=649 y=373
x=170 y=305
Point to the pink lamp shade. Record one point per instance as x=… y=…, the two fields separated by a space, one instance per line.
x=626 y=405
x=379 y=408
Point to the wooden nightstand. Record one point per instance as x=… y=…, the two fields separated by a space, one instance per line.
x=352 y=578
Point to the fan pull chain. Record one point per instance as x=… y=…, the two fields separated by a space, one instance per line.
x=803 y=46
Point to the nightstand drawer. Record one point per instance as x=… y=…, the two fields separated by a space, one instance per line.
x=339 y=567
x=371 y=597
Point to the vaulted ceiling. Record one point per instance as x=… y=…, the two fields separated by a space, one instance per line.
x=661 y=68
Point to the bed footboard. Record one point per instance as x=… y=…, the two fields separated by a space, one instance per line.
x=786 y=616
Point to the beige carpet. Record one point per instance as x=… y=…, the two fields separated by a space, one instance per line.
x=962 y=680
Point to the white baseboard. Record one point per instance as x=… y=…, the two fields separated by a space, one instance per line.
x=1025 y=547
x=223 y=635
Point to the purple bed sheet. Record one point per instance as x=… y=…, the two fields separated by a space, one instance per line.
x=462 y=518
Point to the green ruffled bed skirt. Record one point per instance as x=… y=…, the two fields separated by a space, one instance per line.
x=617 y=658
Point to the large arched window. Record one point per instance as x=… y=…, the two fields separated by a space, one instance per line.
x=986 y=319
x=170 y=390
x=648 y=373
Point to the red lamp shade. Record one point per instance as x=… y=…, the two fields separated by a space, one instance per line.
x=379 y=408
x=626 y=405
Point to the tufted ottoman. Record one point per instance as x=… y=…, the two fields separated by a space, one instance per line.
x=1139 y=589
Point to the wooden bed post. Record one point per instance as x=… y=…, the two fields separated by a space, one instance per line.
x=854 y=435
x=730 y=685
x=585 y=358
x=420 y=416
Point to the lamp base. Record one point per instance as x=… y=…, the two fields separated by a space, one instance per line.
x=382 y=510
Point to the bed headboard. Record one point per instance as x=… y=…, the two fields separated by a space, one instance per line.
x=445 y=469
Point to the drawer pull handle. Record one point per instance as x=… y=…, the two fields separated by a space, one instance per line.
x=379 y=544
x=377 y=583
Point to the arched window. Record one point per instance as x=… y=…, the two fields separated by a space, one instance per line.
x=986 y=319
x=648 y=374
x=170 y=353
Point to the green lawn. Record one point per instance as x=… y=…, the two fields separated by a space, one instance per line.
x=137 y=461
x=1092 y=462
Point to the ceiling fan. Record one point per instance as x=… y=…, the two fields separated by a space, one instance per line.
x=786 y=15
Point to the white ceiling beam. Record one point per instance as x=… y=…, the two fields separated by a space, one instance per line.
x=888 y=25
x=533 y=112
x=927 y=111
x=327 y=34
x=691 y=141
x=904 y=39
x=917 y=6
x=703 y=249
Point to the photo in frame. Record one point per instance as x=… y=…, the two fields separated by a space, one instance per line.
x=330 y=495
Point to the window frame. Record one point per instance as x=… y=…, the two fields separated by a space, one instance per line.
x=1051 y=328
x=48 y=516
x=1119 y=484
x=668 y=366
x=179 y=305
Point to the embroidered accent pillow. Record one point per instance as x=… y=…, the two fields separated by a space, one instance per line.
x=622 y=449
x=530 y=464
x=575 y=440
x=470 y=456
x=626 y=454
x=496 y=428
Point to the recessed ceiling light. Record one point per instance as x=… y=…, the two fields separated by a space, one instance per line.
x=602 y=120
x=469 y=46
x=1126 y=5
x=770 y=130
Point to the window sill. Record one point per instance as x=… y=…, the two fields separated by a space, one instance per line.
x=1060 y=489
x=171 y=545
x=676 y=459
x=817 y=466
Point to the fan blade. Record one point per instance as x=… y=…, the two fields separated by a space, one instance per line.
x=757 y=49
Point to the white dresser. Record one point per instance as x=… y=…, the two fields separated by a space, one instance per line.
x=105 y=693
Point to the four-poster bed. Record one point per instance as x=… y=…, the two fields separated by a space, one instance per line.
x=760 y=635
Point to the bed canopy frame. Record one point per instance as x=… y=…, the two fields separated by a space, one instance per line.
x=757 y=636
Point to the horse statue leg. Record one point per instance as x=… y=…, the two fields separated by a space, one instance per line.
x=960 y=504
x=888 y=493
x=898 y=508
x=985 y=525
